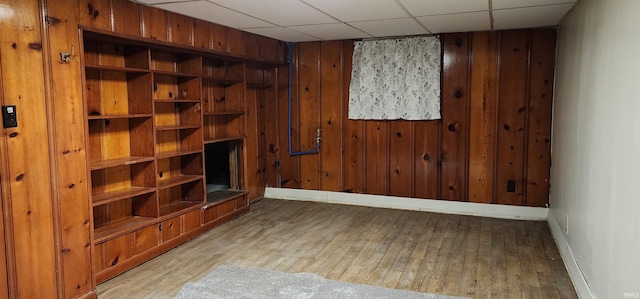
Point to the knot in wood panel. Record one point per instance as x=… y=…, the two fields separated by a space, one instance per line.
x=91 y=11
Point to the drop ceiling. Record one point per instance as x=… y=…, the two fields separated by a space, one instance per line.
x=312 y=20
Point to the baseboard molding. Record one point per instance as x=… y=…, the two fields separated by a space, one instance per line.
x=579 y=282
x=415 y=204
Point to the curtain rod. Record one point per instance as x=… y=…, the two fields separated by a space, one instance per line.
x=396 y=37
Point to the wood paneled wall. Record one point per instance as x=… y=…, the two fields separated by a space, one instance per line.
x=47 y=225
x=27 y=204
x=136 y=20
x=495 y=126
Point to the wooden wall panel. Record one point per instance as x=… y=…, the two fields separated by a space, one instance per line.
x=455 y=115
x=218 y=37
x=5 y=290
x=154 y=23
x=331 y=115
x=95 y=14
x=261 y=149
x=180 y=28
x=401 y=158
x=66 y=111
x=271 y=127
x=483 y=112
x=426 y=159
x=251 y=45
x=353 y=135
x=234 y=40
x=55 y=228
x=26 y=179
x=376 y=152
x=309 y=111
x=466 y=156
x=251 y=143
x=512 y=116
x=127 y=17
x=540 y=110
x=202 y=34
x=271 y=49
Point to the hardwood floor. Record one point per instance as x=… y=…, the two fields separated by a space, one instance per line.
x=428 y=252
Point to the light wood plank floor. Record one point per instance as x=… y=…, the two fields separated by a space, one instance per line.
x=420 y=251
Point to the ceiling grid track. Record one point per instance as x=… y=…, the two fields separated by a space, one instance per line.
x=317 y=20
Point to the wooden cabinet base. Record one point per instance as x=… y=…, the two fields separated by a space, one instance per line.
x=129 y=262
x=90 y=295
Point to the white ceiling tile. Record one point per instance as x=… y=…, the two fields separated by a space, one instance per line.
x=283 y=34
x=322 y=19
x=331 y=31
x=214 y=13
x=359 y=10
x=463 y=22
x=501 y=4
x=438 y=7
x=393 y=27
x=537 y=16
x=280 y=12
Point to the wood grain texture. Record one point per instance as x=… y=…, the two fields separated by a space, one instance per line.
x=154 y=23
x=251 y=149
x=127 y=17
x=454 y=109
x=540 y=110
x=48 y=27
x=27 y=182
x=261 y=146
x=483 y=115
x=309 y=113
x=353 y=133
x=70 y=152
x=95 y=14
x=467 y=155
x=218 y=38
x=235 y=42
x=426 y=159
x=6 y=289
x=180 y=28
x=419 y=251
x=401 y=171
x=331 y=115
x=252 y=47
x=202 y=34
x=512 y=116
x=376 y=152
x=271 y=128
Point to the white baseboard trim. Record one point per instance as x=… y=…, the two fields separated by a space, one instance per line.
x=406 y=203
x=579 y=282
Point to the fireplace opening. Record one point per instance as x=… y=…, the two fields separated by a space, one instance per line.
x=222 y=166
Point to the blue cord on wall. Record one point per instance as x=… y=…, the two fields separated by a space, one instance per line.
x=291 y=152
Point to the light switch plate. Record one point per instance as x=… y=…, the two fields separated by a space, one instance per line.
x=9 y=116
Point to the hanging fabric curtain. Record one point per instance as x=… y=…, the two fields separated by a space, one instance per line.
x=396 y=79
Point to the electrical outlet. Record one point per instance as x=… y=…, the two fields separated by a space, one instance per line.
x=566 y=224
x=511 y=186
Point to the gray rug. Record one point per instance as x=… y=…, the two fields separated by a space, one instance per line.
x=234 y=282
